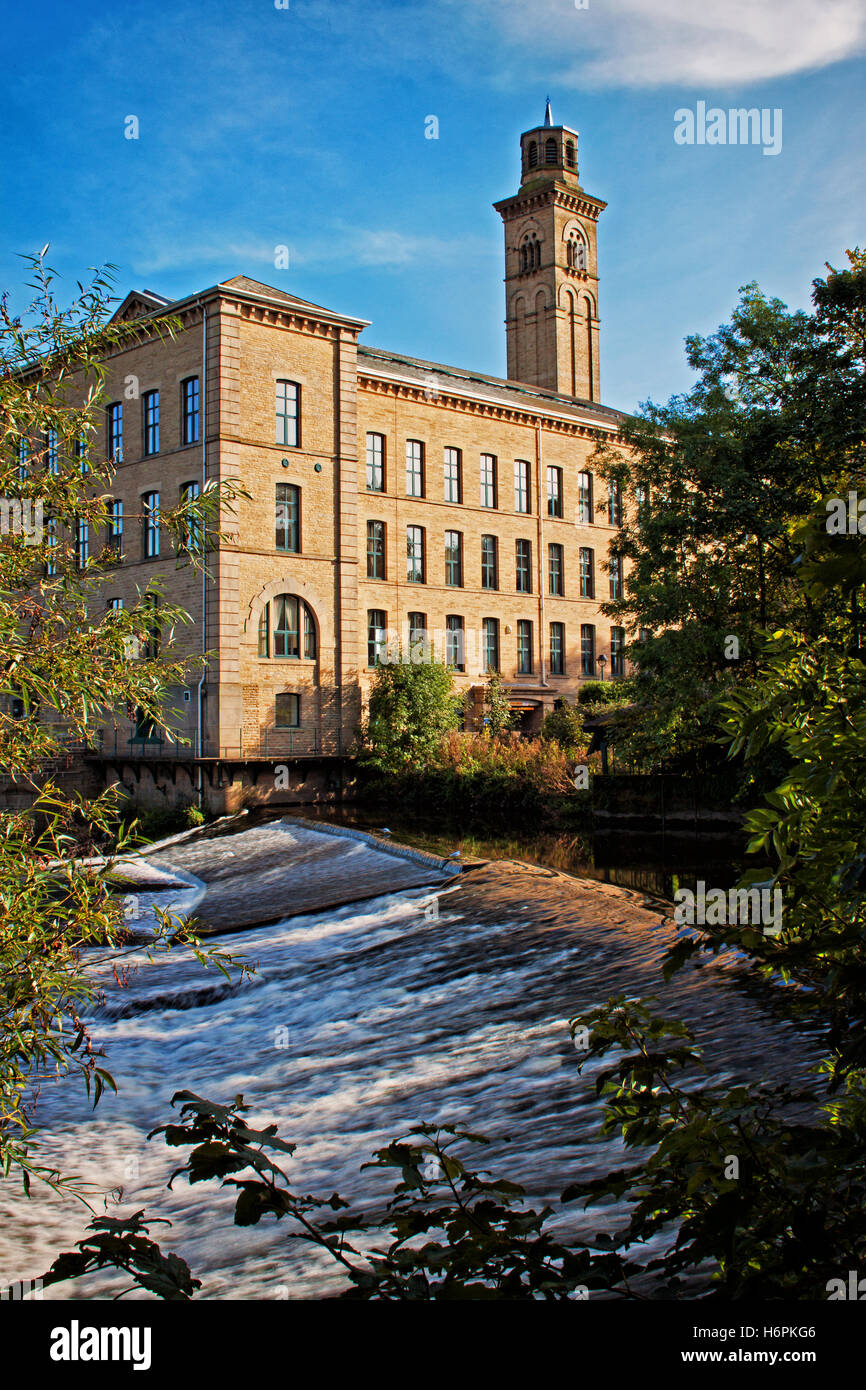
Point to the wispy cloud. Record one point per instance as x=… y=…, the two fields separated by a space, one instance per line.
x=655 y=43
x=387 y=247
x=335 y=247
x=180 y=254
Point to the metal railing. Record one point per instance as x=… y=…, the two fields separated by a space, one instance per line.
x=265 y=744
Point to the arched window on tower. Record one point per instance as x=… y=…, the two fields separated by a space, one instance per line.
x=569 y=154
x=576 y=253
x=530 y=254
x=550 y=151
x=533 y=155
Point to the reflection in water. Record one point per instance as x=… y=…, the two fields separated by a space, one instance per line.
x=649 y=861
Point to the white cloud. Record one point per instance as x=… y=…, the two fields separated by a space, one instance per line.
x=340 y=247
x=187 y=252
x=386 y=247
x=700 y=43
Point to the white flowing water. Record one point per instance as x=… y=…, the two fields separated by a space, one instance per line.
x=359 y=1022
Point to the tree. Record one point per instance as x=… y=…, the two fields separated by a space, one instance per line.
x=498 y=714
x=719 y=479
x=565 y=727
x=67 y=664
x=412 y=705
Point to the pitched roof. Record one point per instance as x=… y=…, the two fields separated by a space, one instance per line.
x=479 y=386
x=257 y=287
x=141 y=303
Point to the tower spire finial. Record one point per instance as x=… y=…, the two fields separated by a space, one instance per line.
x=548 y=114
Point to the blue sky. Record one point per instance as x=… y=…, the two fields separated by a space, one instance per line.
x=305 y=127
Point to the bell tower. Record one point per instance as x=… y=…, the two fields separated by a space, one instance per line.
x=551 y=267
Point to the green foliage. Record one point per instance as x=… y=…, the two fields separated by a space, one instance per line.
x=498 y=714
x=496 y=781
x=412 y=704
x=773 y=425
x=455 y=1233
x=605 y=693
x=565 y=727
x=67 y=663
x=126 y=1245
x=752 y=1192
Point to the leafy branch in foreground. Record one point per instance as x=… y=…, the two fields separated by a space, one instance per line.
x=455 y=1233
x=126 y=1245
x=68 y=662
x=755 y=1191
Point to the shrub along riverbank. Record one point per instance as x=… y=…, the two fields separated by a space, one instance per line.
x=498 y=781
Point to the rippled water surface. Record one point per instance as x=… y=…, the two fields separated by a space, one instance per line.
x=422 y=1005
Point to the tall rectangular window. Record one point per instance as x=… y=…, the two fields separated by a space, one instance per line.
x=616 y=576
x=150 y=503
x=191 y=526
x=554 y=492
x=418 y=636
x=614 y=503
x=154 y=628
x=375 y=550
x=288 y=412
x=287 y=517
x=587 y=572
x=265 y=630
x=415 y=554
x=189 y=410
x=287 y=710
x=524 y=647
x=490 y=638
x=414 y=468
x=115 y=432
x=488 y=480
x=51 y=557
x=521 y=486
x=455 y=642
x=454 y=559
x=523 y=556
x=617 y=651
x=641 y=495
x=453 y=476
x=377 y=636
x=375 y=463
x=115 y=528
x=50 y=454
x=146 y=730
x=151 y=422
x=584 y=497
x=557 y=649
x=587 y=649
x=555 y=570
x=489 y=565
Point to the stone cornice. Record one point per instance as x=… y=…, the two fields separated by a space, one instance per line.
x=289 y=318
x=469 y=405
x=563 y=197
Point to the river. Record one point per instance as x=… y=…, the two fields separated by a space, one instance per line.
x=446 y=1005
